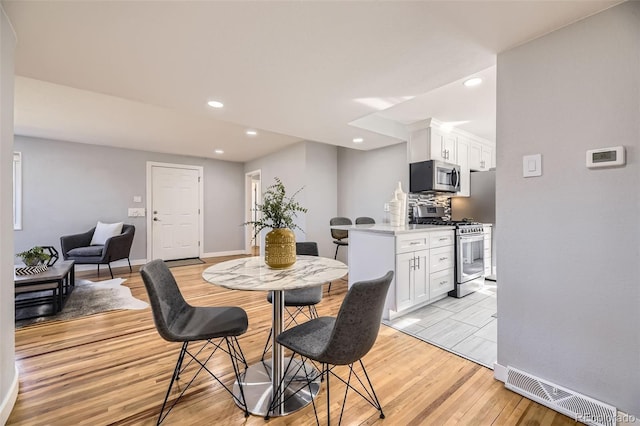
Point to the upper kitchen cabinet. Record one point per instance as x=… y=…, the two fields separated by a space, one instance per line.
x=480 y=156
x=431 y=143
x=430 y=140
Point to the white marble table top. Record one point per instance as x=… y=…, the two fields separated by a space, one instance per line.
x=251 y=273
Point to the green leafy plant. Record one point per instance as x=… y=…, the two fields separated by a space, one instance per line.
x=34 y=256
x=278 y=210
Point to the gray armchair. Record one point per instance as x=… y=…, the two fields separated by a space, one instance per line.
x=78 y=248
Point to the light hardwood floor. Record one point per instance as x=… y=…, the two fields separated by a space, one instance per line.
x=113 y=368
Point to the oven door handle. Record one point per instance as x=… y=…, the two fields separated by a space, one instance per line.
x=471 y=238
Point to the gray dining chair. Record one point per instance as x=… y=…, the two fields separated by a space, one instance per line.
x=342 y=340
x=365 y=220
x=177 y=321
x=295 y=301
x=339 y=235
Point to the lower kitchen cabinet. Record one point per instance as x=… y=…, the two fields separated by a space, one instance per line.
x=422 y=260
x=412 y=278
x=440 y=283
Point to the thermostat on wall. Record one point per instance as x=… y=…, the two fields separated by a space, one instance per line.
x=606 y=157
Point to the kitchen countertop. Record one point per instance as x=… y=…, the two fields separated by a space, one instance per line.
x=394 y=230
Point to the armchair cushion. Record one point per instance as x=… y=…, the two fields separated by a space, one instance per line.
x=86 y=251
x=104 y=231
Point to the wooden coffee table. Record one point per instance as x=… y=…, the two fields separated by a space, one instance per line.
x=59 y=279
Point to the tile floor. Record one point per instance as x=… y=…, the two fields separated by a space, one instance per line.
x=466 y=327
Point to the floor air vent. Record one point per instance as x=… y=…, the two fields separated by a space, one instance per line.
x=579 y=407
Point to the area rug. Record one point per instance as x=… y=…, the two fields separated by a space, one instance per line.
x=87 y=298
x=183 y=262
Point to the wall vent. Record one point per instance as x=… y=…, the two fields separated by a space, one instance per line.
x=581 y=408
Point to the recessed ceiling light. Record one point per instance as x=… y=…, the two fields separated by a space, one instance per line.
x=472 y=82
x=358 y=140
x=215 y=104
x=219 y=151
x=251 y=132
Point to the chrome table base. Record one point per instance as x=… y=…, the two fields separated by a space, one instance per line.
x=257 y=387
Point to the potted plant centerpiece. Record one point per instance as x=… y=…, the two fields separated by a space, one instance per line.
x=278 y=212
x=34 y=256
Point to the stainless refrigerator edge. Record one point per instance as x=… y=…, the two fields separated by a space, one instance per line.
x=479 y=206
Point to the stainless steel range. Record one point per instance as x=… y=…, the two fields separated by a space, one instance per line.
x=469 y=248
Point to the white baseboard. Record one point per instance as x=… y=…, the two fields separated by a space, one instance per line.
x=500 y=372
x=223 y=253
x=10 y=399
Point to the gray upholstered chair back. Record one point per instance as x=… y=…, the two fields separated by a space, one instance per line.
x=167 y=302
x=339 y=234
x=358 y=321
x=302 y=296
x=365 y=220
x=307 y=248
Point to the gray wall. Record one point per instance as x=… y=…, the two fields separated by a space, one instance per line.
x=8 y=372
x=68 y=187
x=311 y=166
x=322 y=194
x=367 y=179
x=569 y=242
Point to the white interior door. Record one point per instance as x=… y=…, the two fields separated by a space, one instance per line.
x=175 y=212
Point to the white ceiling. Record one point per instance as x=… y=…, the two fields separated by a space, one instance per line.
x=138 y=74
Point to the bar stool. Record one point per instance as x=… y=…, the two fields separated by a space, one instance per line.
x=339 y=235
x=363 y=220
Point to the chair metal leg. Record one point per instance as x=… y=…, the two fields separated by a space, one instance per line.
x=266 y=344
x=234 y=362
x=110 y=271
x=328 y=399
x=129 y=262
x=236 y=356
x=174 y=376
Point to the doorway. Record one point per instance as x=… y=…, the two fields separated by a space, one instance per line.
x=253 y=197
x=174 y=206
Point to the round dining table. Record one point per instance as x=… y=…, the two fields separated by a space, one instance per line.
x=261 y=385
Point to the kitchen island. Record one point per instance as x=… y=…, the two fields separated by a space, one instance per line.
x=422 y=257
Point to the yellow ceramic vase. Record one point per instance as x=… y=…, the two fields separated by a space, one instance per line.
x=280 y=248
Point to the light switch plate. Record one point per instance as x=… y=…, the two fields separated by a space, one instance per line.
x=532 y=165
x=136 y=212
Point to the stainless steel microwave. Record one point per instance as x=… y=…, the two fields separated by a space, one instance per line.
x=434 y=176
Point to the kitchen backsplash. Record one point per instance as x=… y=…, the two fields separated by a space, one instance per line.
x=429 y=200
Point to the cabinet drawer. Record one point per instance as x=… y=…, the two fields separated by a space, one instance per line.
x=441 y=239
x=441 y=258
x=440 y=282
x=412 y=242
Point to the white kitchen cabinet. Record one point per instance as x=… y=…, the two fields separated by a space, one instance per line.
x=412 y=279
x=480 y=156
x=443 y=146
x=442 y=264
x=431 y=144
x=410 y=253
x=487 y=158
x=441 y=283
